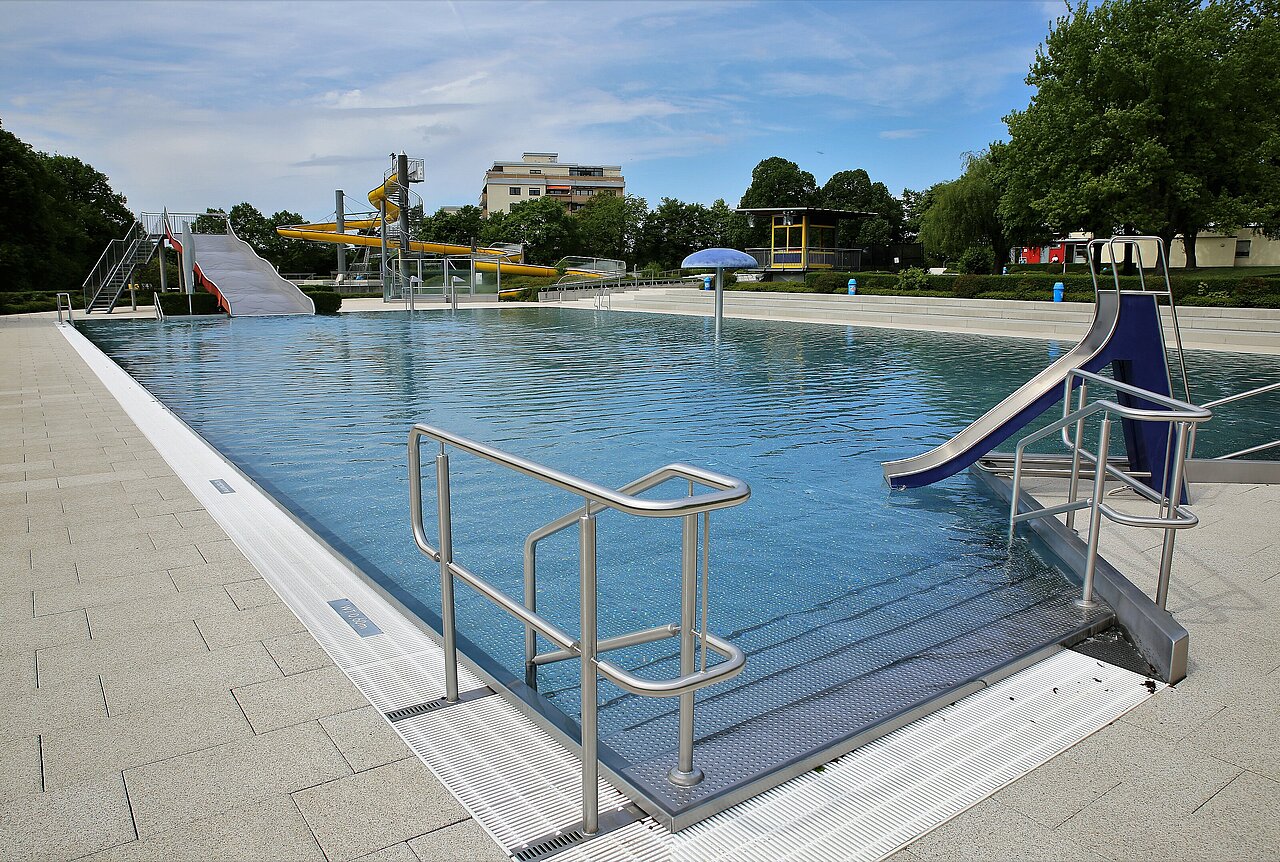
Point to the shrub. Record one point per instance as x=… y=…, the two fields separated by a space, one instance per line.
x=327 y=301
x=913 y=278
x=175 y=304
x=966 y=286
x=977 y=260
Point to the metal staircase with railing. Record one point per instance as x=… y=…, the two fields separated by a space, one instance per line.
x=116 y=265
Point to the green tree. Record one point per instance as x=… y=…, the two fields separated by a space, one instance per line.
x=914 y=206
x=90 y=211
x=726 y=228
x=1151 y=116
x=459 y=227
x=29 y=229
x=542 y=224
x=608 y=226
x=253 y=227
x=673 y=231
x=777 y=182
x=964 y=213
x=854 y=190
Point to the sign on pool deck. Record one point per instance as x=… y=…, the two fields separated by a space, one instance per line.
x=355 y=617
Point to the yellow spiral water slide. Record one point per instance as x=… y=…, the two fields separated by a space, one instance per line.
x=328 y=232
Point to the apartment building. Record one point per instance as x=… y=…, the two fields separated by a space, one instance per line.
x=539 y=174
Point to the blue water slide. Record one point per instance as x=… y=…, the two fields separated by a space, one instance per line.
x=1125 y=333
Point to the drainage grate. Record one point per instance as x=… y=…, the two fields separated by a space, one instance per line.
x=432 y=705
x=552 y=845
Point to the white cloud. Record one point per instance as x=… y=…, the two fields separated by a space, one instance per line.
x=901 y=134
x=190 y=105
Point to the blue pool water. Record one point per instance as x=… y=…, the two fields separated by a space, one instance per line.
x=317 y=410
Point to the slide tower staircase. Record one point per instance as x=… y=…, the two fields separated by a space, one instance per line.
x=116 y=266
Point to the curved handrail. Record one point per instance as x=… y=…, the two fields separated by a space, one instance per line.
x=731 y=491
x=726 y=491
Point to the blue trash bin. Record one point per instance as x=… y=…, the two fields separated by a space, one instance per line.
x=853 y=287
x=706 y=282
x=1058 y=290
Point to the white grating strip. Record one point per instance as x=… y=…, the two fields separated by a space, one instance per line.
x=514 y=778
x=870 y=803
x=522 y=786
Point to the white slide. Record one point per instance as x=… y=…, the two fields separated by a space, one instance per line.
x=249 y=286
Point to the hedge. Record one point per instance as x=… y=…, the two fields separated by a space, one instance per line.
x=26 y=302
x=524 y=288
x=1235 y=289
x=174 y=304
x=327 y=301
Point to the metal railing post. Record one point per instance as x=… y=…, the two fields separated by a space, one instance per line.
x=685 y=774
x=1173 y=494
x=587 y=647
x=1074 y=490
x=448 y=622
x=531 y=604
x=1086 y=599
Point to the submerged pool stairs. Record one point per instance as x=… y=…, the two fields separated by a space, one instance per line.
x=872 y=662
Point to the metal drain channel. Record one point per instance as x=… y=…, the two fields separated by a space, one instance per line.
x=439 y=703
x=521 y=785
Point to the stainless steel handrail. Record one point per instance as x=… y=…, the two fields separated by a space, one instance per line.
x=726 y=492
x=1171 y=514
x=58 y=300
x=1232 y=399
x=1162 y=263
x=155 y=298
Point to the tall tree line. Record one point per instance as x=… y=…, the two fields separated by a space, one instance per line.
x=57 y=214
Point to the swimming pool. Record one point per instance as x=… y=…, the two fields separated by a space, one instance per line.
x=823 y=575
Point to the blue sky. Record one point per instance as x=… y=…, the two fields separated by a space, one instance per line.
x=189 y=105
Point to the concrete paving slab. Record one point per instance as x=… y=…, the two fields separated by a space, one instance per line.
x=104 y=592
x=170 y=678
x=142 y=612
x=461 y=842
x=365 y=738
x=205 y=574
x=73 y=755
x=33 y=633
x=293 y=699
x=396 y=853
x=67 y=823
x=205 y=783
x=296 y=653
x=267 y=829
x=255 y=624
x=990 y=830
x=251 y=594
x=141 y=562
x=20 y=766
x=65 y=664
x=355 y=816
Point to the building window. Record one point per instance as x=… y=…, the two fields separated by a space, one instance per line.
x=535 y=170
x=1243 y=247
x=514 y=191
x=533 y=193
x=497 y=169
x=586 y=172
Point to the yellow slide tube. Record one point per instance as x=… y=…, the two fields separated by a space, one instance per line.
x=328 y=232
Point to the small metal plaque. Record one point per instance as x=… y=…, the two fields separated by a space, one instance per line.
x=355 y=617
x=222 y=486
